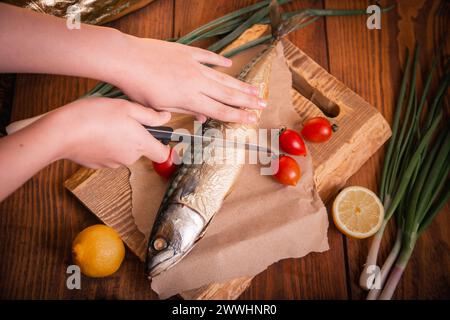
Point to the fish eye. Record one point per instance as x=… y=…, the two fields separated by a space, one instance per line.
x=159 y=244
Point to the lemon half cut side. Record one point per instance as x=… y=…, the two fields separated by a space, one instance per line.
x=358 y=212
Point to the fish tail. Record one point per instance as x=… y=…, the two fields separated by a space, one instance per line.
x=275 y=19
x=280 y=28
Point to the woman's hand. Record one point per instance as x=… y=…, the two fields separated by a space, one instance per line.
x=173 y=77
x=94 y=132
x=102 y=132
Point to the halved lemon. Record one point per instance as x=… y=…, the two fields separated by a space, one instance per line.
x=357 y=212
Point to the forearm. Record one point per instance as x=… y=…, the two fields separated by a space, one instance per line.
x=25 y=152
x=39 y=43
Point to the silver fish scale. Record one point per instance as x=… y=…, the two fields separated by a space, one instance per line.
x=193 y=184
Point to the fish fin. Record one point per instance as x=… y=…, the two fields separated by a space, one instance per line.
x=275 y=18
x=280 y=28
x=295 y=22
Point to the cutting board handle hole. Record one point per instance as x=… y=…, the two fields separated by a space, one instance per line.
x=328 y=107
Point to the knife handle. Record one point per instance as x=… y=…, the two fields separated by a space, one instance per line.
x=161 y=133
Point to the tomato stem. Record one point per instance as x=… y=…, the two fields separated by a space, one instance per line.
x=334 y=127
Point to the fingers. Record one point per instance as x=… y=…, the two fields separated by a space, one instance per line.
x=214 y=109
x=201 y=118
x=208 y=57
x=152 y=148
x=112 y=164
x=147 y=145
x=229 y=81
x=147 y=116
x=232 y=97
x=198 y=116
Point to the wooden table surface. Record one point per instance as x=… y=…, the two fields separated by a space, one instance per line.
x=39 y=221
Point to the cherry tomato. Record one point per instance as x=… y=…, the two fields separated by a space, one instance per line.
x=292 y=143
x=317 y=129
x=288 y=171
x=167 y=168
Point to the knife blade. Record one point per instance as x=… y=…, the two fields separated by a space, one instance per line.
x=166 y=134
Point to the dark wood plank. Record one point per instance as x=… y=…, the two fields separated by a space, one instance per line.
x=369 y=61
x=39 y=221
x=190 y=14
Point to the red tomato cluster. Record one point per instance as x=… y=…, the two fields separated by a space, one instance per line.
x=316 y=129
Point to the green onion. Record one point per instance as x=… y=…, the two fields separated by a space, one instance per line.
x=248 y=45
x=384 y=193
x=416 y=221
x=261 y=40
x=226 y=18
x=254 y=19
x=414 y=177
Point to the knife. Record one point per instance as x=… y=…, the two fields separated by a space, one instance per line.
x=167 y=134
x=162 y=133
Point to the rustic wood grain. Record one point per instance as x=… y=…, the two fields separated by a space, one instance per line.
x=39 y=221
x=369 y=63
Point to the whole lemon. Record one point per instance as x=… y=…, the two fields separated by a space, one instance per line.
x=98 y=251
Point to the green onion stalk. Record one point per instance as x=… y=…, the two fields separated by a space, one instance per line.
x=230 y=27
x=414 y=176
x=417 y=220
x=366 y=280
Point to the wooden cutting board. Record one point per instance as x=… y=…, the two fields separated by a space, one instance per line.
x=362 y=130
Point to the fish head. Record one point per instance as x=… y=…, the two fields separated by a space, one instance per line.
x=173 y=236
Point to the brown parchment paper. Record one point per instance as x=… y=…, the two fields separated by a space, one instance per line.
x=261 y=221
